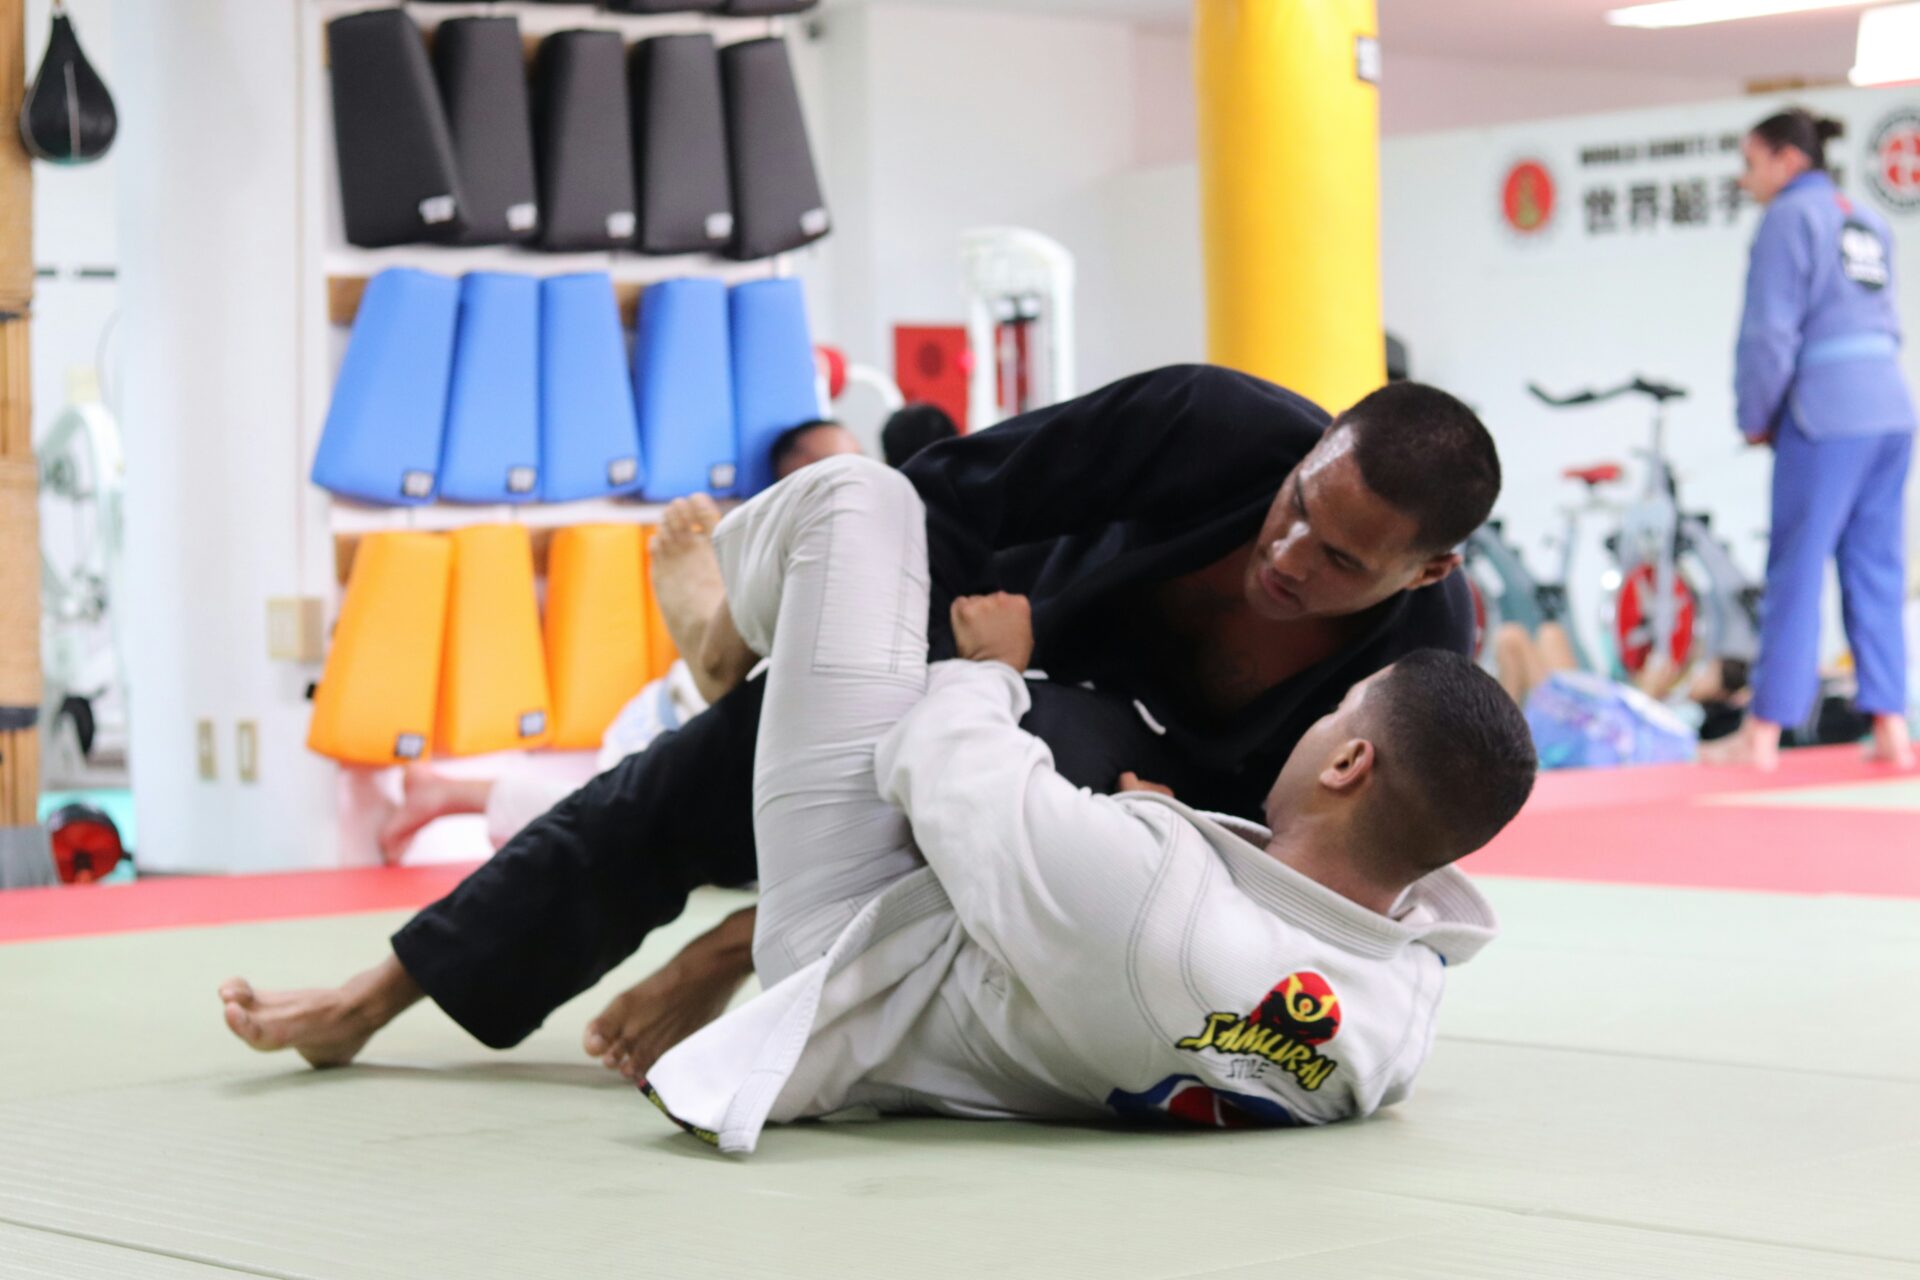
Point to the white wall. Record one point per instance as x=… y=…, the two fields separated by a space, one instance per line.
x=1426 y=94
x=209 y=199
x=945 y=119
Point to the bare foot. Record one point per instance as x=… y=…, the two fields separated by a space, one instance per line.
x=1756 y=746
x=425 y=796
x=665 y=1008
x=691 y=594
x=1892 y=743
x=326 y=1026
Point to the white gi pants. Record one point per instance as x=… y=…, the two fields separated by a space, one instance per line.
x=826 y=576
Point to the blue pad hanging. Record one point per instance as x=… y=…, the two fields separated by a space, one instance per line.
x=683 y=389
x=773 y=377
x=381 y=442
x=493 y=407
x=589 y=440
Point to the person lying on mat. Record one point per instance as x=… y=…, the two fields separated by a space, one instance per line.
x=685 y=582
x=1213 y=565
x=949 y=926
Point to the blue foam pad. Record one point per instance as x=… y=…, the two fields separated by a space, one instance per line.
x=773 y=375
x=589 y=440
x=492 y=450
x=381 y=442
x=683 y=389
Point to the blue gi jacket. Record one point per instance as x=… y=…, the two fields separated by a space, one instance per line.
x=1819 y=340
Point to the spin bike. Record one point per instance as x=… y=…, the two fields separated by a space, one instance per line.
x=1660 y=552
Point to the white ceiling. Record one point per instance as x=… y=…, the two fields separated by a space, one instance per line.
x=1566 y=33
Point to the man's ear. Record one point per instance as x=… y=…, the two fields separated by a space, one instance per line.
x=1435 y=568
x=1350 y=767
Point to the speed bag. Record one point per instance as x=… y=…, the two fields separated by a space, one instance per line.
x=68 y=114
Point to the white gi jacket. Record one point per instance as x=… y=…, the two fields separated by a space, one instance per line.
x=1072 y=955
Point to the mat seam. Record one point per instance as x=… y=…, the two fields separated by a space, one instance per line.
x=149 y=1250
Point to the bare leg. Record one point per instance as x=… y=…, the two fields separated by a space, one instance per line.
x=686 y=582
x=326 y=1026
x=1555 y=649
x=1892 y=743
x=1756 y=746
x=425 y=796
x=690 y=991
x=1514 y=658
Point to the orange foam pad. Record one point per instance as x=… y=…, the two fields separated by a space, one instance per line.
x=376 y=700
x=661 y=652
x=596 y=629
x=493 y=675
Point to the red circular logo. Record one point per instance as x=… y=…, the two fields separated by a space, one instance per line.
x=1303 y=1006
x=1526 y=197
x=1893 y=164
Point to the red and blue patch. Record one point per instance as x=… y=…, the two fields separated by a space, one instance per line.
x=1186 y=1100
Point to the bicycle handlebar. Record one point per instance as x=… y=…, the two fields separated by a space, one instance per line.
x=1660 y=392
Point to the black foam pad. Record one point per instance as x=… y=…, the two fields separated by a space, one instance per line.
x=582 y=142
x=398 y=180
x=776 y=192
x=766 y=8
x=483 y=85
x=666 y=6
x=680 y=146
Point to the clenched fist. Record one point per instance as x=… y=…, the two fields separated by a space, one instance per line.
x=995 y=628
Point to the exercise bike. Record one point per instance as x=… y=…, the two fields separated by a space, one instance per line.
x=1660 y=553
x=1506 y=591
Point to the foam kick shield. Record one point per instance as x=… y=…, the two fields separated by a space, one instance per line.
x=766 y=8
x=483 y=86
x=583 y=143
x=773 y=373
x=777 y=204
x=492 y=449
x=385 y=426
x=399 y=183
x=589 y=441
x=680 y=145
x=683 y=389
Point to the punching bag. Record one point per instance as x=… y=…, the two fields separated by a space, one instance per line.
x=68 y=115
x=1290 y=191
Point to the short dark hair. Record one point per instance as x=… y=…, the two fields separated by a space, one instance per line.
x=912 y=429
x=1802 y=130
x=787 y=441
x=1428 y=455
x=1459 y=761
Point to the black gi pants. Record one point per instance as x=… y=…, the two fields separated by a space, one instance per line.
x=577 y=891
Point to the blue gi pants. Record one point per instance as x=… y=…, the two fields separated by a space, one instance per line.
x=1837 y=497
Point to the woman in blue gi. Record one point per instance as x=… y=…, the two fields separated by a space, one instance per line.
x=1817 y=377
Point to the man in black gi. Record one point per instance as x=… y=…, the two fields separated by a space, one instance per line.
x=1211 y=564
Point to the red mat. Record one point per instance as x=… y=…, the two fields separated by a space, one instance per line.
x=1649 y=826
x=76 y=910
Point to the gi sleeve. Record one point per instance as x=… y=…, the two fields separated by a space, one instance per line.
x=1779 y=279
x=1041 y=873
x=1147 y=448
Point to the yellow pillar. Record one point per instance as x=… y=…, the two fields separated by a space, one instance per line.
x=1290 y=192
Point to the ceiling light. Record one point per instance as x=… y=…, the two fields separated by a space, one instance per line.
x=1889 y=48
x=1694 y=13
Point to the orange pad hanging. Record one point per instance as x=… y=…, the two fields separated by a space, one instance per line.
x=376 y=700
x=661 y=653
x=596 y=629
x=493 y=678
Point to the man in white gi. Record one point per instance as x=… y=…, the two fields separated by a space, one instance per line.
x=947 y=926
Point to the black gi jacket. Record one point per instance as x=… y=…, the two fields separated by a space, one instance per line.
x=1152 y=477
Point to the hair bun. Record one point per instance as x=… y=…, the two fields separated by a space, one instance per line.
x=1829 y=129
